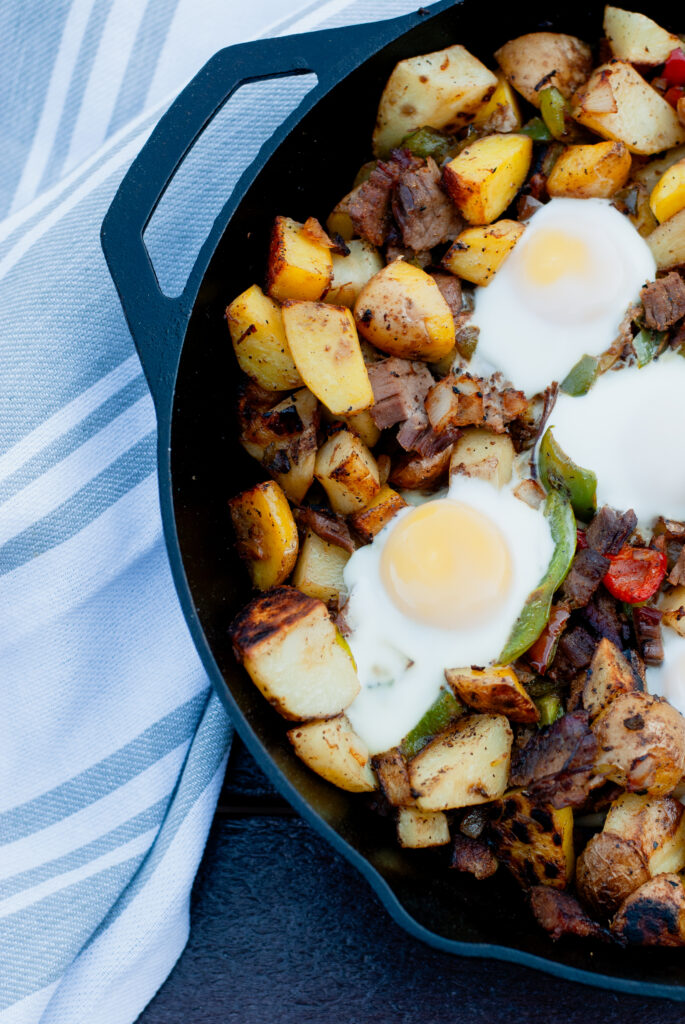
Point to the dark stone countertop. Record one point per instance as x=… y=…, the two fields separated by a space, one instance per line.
x=284 y=930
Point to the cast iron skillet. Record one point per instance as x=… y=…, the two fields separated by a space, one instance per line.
x=185 y=351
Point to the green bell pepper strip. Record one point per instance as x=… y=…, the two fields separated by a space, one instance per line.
x=537 y=130
x=580 y=379
x=550 y=708
x=533 y=618
x=556 y=113
x=425 y=142
x=444 y=710
x=647 y=344
x=559 y=473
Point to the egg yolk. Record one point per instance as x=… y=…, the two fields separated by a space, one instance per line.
x=447 y=565
x=553 y=254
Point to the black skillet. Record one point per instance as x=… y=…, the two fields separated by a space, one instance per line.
x=184 y=347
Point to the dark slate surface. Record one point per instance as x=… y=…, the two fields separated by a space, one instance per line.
x=284 y=930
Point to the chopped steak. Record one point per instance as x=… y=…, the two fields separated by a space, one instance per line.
x=424 y=214
x=603 y=617
x=369 y=205
x=450 y=289
x=473 y=856
x=327 y=525
x=399 y=390
x=462 y=400
x=609 y=530
x=664 y=301
x=647 y=626
x=586 y=574
x=677 y=573
x=558 y=764
x=574 y=653
x=560 y=914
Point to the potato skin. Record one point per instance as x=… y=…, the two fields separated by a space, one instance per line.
x=528 y=60
x=641 y=743
x=654 y=915
x=608 y=870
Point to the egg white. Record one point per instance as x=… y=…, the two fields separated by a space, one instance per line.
x=668 y=679
x=400 y=661
x=535 y=334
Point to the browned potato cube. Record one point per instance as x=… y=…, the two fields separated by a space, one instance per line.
x=414 y=472
x=483 y=179
x=352 y=272
x=300 y=266
x=654 y=915
x=284 y=440
x=259 y=341
x=667 y=242
x=333 y=750
x=672 y=608
x=595 y=171
x=347 y=471
x=378 y=513
x=495 y=690
x=266 y=533
x=482 y=454
x=535 y=841
x=551 y=58
x=319 y=569
x=636 y=38
x=417 y=830
x=609 y=675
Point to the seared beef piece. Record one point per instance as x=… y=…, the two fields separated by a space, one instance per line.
x=560 y=914
x=677 y=573
x=647 y=626
x=399 y=389
x=475 y=820
x=677 y=339
x=327 y=525
x=587 y=572
x=609 y=530
x=473 y=856
x=574 y=701
x=557 y=766
x=602 y=614
x=424 y=214
x=450 y=289
x=664 y=301
x=574 y=653
x=528 y=428
x=369 y=207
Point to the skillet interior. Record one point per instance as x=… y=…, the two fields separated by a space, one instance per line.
x=312 y=169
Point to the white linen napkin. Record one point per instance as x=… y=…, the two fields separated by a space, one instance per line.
x=112 y=746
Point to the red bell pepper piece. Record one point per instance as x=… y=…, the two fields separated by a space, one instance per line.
x=675 y=93
x=540 y=655
x=674 y=68
x=635 y=574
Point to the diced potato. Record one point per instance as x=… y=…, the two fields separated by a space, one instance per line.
x=641 y=743
x=668 y=195
x=259 y=341
x=649 y=174
x=618 y=104
x=324 y=344
x=402 y=312
x=487 y=456
x=541 y=59
x=339 y=221
x=284 y=440
x=654 y=915
x=672 y=608
x=266 y=533
x=501 y=112
x=636 y=38
x=438 y=90
x=417 y=830
x=667 y=242
x=596 y=171
x=352 y=272
x=333 y=750
x=414 y=472
x=295 y=655
x=493 y=690
x=484 y=178
x=478 y=253
x=535 y=841
x=378 y=513
x=299 y=267
x=347 y=471
x=362 y=423
x=609 y=674
x=467 y=764
x=319 y=569
x=393 y=777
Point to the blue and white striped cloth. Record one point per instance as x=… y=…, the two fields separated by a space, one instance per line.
x=112 y=748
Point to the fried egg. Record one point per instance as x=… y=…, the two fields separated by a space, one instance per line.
x=628 y=429
x=562 y=292
x=441 y=586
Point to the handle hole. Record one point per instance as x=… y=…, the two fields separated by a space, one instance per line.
x=209 y=172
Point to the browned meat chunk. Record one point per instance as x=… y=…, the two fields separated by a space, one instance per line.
x=369 y=206
x=603 y=617
x=560 y=914
x=424 y=214
x=647 y=626
x=473 y=856
x=450 y=289
x=461 y=400
x=418 y=472
x=677 y=573
x=586 y=573
x=399 y=389
x=609 y=530
x=574 y=653
x=557 y=765
x=327 y=525
x=664 y=301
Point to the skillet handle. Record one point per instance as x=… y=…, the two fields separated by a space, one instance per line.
x=158 y=322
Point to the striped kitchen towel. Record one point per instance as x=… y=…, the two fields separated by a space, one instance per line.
x=112 y=748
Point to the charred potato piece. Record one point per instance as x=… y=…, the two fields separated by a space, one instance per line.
x=636 y=38
x=484 y=178
x=378 y=513
x=300 y=266
x=413 y=472
x=324 y=344
x=259 y=341
x=319 y=569
x=539 y=60
x=672 y=608
x=654 y=915
x=667 y=242
x=417 y=830
x=266 y=533
x=478 y=253
x=618 y=104
x=609 y=675
x=439 y=90
x=295 y=655
x=641 y=743
x=402 y=312
x=494 y=690
x=333 y=750
x=586 y=172
x=352 y=272
x=393 y=777
x=480 y=453
x=467 y=764
x=535 y=841
x=668 y=195
x=347 y=471
x=501 y=112
x=284 y=440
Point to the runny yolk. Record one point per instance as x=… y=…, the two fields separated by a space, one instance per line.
x=552 y=254
x=447 y=565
